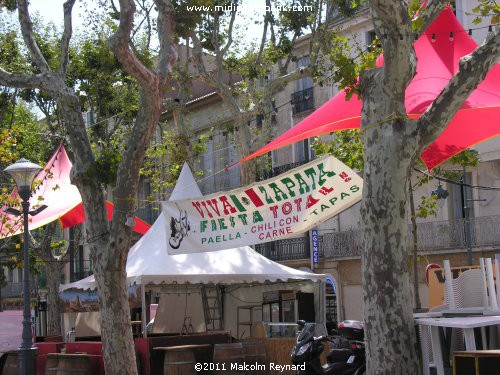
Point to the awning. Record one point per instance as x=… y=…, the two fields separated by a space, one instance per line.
x=438 y=57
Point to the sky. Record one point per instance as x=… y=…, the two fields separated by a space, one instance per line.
x=52 y=10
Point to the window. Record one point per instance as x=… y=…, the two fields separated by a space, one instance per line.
x=306 y=82
x=331 y=300
x=8 y=274
x=303 y=99
x=208 y=167
x=18 y=275
x=457 y=195
x=370 y=36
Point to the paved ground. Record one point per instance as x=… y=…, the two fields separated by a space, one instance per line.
x=10 y=330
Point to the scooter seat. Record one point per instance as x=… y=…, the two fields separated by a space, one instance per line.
x=339 y=355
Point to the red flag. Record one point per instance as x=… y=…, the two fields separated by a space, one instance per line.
x=62 y=199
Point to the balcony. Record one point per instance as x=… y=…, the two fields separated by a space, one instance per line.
x=81 y=270
x=303 y=100
x=432 y=237
x=285 y=168
x=289 y=249
x=338 y=18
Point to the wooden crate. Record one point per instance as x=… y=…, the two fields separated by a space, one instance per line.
x=478 y=362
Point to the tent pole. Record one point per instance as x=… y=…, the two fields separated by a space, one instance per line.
x=321 y=301
x=143 y=311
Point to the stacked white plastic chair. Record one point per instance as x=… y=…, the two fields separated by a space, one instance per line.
x=475 y=288
x=467 y=290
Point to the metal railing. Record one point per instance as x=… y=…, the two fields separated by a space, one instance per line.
x=12 y=290
x=285 y=168
x=82 y=270
x=290 y=249
x=442 y=235
x=302 y=100
x=432 y=236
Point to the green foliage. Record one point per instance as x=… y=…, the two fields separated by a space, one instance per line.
x=293 y=21
x=20 y=135
x=164 y=158
x=15 y=59
x=187 y=20
x=10 y=55
x=11 y=250
x=108 y=95
x=348 y=7
x=487 y=9
x=427 y=207
x=413 y=8
x=203 y=21
x=10 y=5
x=101 y=84
x=466 y=158
x=346 y=146
x=338 y=52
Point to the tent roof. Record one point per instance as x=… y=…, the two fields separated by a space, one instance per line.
x=149 y=263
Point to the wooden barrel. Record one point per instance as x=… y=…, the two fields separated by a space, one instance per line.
x=255 y=356
x=179 y=360
x=229 y=358
x=67 y=364
x=10 y=364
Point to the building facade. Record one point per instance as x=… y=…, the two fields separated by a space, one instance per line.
x=467 y=221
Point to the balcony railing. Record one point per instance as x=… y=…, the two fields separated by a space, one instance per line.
x=338 y=17
x=82 y=270
x=290 y=249
x=285 y=168
x=302 y=100
x=432 y=236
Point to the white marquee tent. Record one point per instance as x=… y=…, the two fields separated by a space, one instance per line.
x=149 y=263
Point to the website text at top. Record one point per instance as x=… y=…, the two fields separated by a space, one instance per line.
x=249 y=8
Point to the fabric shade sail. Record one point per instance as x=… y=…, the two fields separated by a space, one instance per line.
x=438 y=54
x=62 y=199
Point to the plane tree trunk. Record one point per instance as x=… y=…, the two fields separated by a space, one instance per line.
x=109 y=243
x=392 y=143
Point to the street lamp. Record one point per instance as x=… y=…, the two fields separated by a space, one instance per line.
x=23 y=172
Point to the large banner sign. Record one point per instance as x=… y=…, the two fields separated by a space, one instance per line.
x=270 y=210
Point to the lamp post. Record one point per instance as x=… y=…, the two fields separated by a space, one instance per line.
x=468 y=236
x=23 y=172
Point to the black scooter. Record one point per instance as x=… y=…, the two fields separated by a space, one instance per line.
x=341 y=360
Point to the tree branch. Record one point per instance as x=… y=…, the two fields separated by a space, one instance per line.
x=229 y=33
x=278 y=83
x=21 y=81
x=393 y=26
x=264 y=33
x=168 y=54
x=200 y=62
x=119 y=44
x=472 y=71
x=66 y=37
x=29 y=37
x=431 y=11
